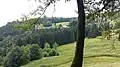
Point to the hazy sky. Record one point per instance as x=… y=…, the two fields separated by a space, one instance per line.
x=12 y=9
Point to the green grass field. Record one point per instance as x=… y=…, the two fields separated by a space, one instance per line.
x=62 y=23
x=97 y=53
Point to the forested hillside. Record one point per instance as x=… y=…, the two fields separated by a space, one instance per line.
x=13 y=37
x=41 y=39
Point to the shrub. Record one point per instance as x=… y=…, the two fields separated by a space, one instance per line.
x=47 y=48
x=25 y=58
x=53 y=52
x=55 y=45
x=34 y=52
x=1 y=60
x=45 y=54
x=9 y=48
x=47 y=51
x=47 y=45
x=13 y=57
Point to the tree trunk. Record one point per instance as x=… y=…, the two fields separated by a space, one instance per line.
x=78 y=58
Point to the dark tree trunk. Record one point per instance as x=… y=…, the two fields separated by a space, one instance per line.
x=78 y=59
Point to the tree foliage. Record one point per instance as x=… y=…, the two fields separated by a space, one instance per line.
x=34 y=52
x=13 y=58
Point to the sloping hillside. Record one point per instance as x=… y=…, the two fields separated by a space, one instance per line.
x=98 y=53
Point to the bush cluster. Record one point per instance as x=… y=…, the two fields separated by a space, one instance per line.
x=19 y=56
x=47 y=51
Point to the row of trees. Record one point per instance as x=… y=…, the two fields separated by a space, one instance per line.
x=60 y=36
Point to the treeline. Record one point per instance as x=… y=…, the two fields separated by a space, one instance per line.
x=40 y=36
x=57 y=19
x=9 y=28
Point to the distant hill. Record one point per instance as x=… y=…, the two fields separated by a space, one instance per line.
x=9 y=29
x=10 y=34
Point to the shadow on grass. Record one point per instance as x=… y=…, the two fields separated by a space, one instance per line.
x=103 y=55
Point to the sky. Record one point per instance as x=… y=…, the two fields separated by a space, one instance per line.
x=13 y=9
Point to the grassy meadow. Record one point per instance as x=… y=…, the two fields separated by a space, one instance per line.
x=97 y=53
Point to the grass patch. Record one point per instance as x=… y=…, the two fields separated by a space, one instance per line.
x=96 y=52
x=62 y=23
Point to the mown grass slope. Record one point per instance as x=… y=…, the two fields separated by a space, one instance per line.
x=97 y=53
